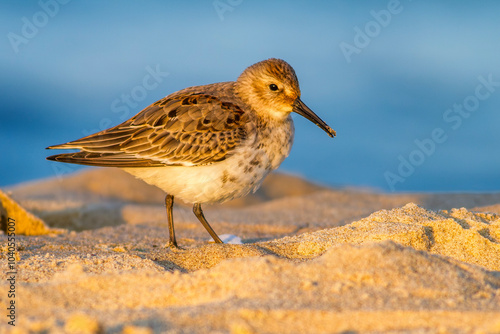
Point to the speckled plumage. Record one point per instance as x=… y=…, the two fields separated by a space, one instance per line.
x=205 y=144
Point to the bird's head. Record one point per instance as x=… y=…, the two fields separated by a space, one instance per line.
x=271 y=88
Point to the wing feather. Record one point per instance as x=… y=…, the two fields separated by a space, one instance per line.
x=189 y=129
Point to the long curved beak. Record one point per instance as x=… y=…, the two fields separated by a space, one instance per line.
x=300 y=108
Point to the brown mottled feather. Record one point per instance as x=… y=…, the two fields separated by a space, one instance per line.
x=189 y=128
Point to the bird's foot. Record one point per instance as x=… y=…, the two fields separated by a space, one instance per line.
x=173 y=245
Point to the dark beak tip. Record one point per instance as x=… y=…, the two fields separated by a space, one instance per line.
x=303 y=110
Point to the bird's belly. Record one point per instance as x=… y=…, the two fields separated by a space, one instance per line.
x=216 y=183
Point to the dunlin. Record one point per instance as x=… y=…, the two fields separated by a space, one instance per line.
x=205 y=144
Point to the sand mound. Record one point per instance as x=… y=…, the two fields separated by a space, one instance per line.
x=470 y=237
x=15 y=219
x=310 y=263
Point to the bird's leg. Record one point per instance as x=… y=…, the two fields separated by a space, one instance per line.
x=199 y=214
x=169 y=203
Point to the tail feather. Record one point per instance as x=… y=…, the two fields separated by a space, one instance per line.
x=104 y=160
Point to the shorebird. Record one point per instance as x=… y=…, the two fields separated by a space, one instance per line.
x=205 y=144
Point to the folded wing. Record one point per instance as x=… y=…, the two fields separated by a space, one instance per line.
x=185 y=129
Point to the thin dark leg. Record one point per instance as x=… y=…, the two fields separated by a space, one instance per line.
x=169 y=203
x=199 y=214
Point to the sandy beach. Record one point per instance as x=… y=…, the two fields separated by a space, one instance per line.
x=90 y=257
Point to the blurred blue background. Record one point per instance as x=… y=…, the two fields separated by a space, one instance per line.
x=382 y=73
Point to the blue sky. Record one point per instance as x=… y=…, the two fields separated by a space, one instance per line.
x=63 y=79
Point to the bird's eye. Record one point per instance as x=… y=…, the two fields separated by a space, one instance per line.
x=273 y=87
